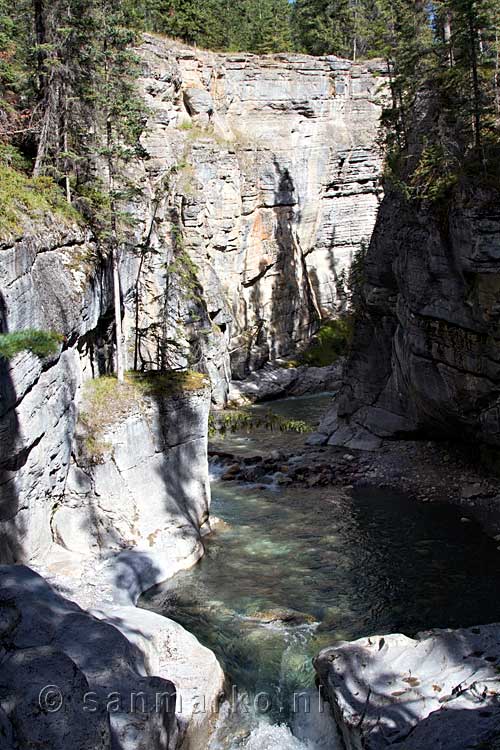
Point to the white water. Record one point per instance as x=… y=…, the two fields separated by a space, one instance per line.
x=313 y=729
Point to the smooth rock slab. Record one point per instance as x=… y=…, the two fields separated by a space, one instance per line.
x=59 y=668
x=440 y=690
x=279 y=382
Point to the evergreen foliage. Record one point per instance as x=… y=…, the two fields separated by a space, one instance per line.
x=262 y=26
x=40 y=343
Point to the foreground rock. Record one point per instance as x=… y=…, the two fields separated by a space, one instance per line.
x=441 y=690
x=134 y=518
x=55 y=689
x=280 y=382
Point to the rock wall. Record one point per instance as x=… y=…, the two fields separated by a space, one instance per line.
x=425 y=352
x=100 y=532
x=43 y=285
x=268 y=168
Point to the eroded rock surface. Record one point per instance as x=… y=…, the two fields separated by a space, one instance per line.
x=425 y=350
x=273 y=182
x=440 y=690
x=271 y=382
x=54 y=686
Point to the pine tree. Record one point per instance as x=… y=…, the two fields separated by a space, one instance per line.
x=270 y=29
x=467 y=40
x=15 y=43
x=323 y=27
x=120 y=112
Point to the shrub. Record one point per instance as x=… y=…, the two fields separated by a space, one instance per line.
x=245 y=421
x=330 y=343
x=40 y=343
x=21 y=195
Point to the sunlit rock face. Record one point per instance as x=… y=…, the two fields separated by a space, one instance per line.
x=273 y=169
x=401 y=692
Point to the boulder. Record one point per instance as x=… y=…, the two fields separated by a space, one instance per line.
x=439 y=690
x=67 y=677
x=198 y=101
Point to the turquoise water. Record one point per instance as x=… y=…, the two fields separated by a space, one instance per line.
x=294 y=570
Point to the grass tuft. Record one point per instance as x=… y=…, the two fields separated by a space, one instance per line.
x=41 y=343
x=106 y=403
x=222 y=423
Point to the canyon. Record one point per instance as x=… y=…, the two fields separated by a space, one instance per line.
x=258 y=184
x=259 y=179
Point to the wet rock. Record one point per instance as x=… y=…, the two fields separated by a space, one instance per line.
x=231 y=473
x=471 y=490
x=285 y=616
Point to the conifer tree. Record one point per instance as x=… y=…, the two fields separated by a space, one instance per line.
x=120 y=111
x=323 y=27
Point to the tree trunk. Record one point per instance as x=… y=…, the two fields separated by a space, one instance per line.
x=39 y=18
x=476 y=91
x=447 y=36
x=497 y=73
x=120 y=367
x=67 y=182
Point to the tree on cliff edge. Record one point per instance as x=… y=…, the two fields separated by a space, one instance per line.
x=120 y=112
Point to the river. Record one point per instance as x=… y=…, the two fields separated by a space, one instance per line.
x=293 y=570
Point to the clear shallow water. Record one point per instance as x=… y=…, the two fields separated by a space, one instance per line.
x=295 y=570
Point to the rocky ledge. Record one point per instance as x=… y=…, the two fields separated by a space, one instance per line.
x=440 y=690
x=281 y=382
x=133 y=515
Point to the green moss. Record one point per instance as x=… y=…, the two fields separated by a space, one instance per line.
x=40 y=343
x=330 y=343
x=21 y=195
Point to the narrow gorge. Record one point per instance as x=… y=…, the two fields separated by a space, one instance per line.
x=292 y=497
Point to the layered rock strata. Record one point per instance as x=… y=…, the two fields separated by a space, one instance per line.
x=425 y=352
x=273 y=169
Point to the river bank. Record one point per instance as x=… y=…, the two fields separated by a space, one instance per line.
x=427 y=471
x=316 y=546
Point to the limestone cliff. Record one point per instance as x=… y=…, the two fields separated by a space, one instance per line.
x=102 y=528
x=425 y=353
x=258 y=180
x=264 y=171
